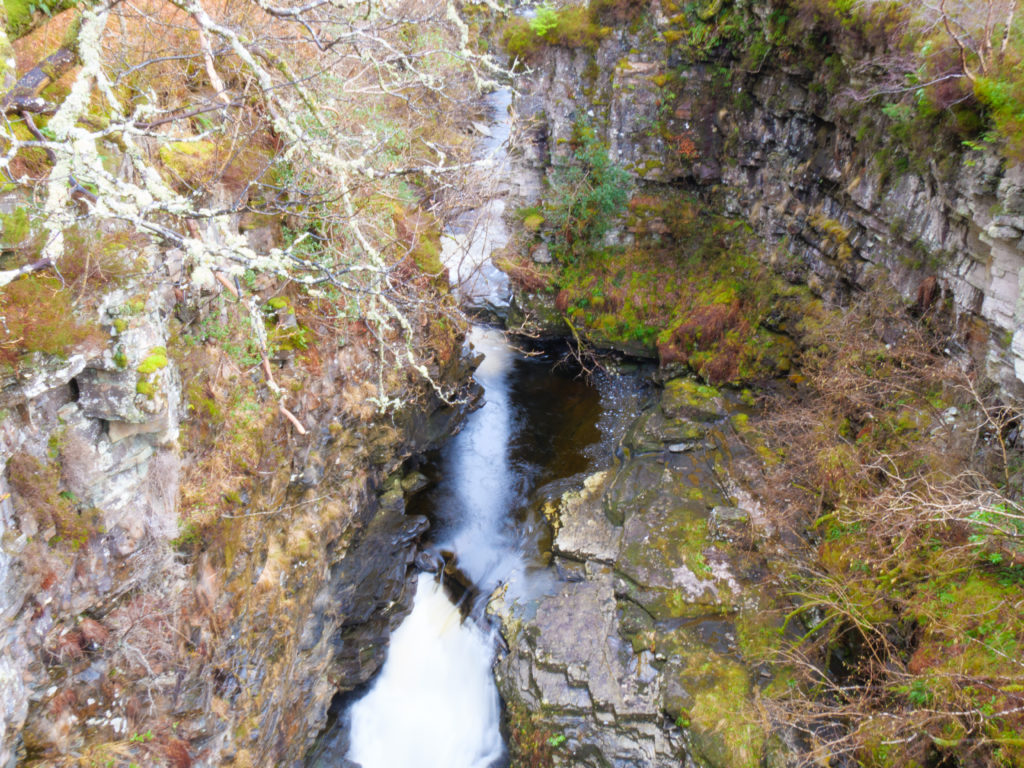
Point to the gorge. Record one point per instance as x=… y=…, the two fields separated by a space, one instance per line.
x=725 y=470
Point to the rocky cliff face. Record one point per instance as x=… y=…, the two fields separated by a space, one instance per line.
x=89 y=502
x=162 y=604
x=773 y=145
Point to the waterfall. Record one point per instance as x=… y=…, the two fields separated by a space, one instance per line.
x=434 y=704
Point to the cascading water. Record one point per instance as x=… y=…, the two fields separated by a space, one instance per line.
x=481 y=484
x=434 y=704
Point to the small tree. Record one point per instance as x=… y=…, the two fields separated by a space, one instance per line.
x=587 y=195
x=183 y=118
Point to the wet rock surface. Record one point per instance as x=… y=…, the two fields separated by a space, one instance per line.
x=371 y=591
x=639 y=658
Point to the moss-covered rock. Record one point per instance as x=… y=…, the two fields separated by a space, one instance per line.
x=679 y=606
x=536 y=314
x=723 y=731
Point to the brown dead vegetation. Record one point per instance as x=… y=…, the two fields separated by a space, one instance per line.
x=892 y=461
x=708 y=328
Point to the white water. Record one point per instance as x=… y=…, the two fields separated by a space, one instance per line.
x=434 y=704
x=480 y=480
x=467 y=247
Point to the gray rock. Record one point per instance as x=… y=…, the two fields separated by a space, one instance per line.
x=584 y=532
x=726 y=523
x=570 y=663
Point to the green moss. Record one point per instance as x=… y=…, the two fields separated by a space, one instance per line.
x=533 y=222
x=427 y=254
x=16 y=226
x=146 y=388
x=569 y=26
x=156 y=360
x=690 y=290
x=134 y=306
x=970 y=625
x=38 y=491
x=710 y=11
x=289 y=338
x=120 y=324
x=836 y=233
x=22 y=15
x=191 y=161
x=724 y=730
x=682 y=393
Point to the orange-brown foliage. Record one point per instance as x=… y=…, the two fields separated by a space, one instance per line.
x=38 y=316
x=617 y=12
x=93 y=632
x=178 y=754
x=705 y=330
x=724 y=365
x=705 y=327
x=562 y=300
x=40 y=43
x=526 y=276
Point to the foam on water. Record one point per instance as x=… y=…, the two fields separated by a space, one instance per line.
x=434 y=704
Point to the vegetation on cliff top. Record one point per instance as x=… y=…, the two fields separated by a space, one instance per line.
x=962 y=60
x=273 y=126
x=687 y=288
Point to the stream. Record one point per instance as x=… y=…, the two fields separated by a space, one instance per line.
x=540 y=429
x=434 y=702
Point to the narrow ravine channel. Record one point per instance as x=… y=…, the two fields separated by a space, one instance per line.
x=434 y=702
x=540 y=426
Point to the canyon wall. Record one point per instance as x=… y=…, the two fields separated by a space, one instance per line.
x=188 y=577
x=772 y=147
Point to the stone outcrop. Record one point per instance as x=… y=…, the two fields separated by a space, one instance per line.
x=118 y=624
x=644 y=654
x=119 y=463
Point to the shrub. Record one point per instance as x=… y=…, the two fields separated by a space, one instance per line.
x=38 y=316
x=1003 y=96
x=911 y=606
x=586 y=196
x=571 y=27
x=545 y=21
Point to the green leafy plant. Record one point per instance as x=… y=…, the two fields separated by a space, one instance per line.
x=545 y=20
x=587 y=195
x=557 y=740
